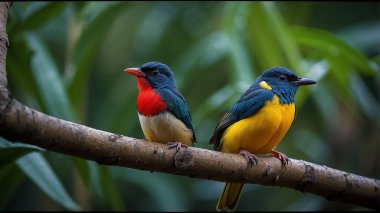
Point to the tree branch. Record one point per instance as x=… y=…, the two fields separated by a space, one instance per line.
x=21 y=123
x=3 y=52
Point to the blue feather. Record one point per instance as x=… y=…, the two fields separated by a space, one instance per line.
x=177 y=105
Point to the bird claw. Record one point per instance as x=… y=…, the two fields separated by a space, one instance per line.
x=249 y=157
x=282 y=157
x=176 y=145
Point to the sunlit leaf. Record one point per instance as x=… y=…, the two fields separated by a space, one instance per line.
x=235 y=25
x=262 y=41
x=206 y=52
x=368 y=103
x=363 y=36
x=325 y=41
x=215 y=101
x=282 y=35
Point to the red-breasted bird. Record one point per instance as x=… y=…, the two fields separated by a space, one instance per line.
x=162 y=110
x=256 y=123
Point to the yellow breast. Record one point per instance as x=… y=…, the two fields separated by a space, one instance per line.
x=261 y=132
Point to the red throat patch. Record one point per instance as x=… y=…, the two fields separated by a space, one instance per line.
x=148 y=101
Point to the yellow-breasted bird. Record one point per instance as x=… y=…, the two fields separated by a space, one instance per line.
x=163 y=113
x=256 y=123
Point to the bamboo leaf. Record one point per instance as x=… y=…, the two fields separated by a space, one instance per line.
x=235 y=16
x=43 y=15
x=111 y=192
x=9 y=152
x=366 y=101
x=165 y=191
x=38 y=170
x=263 y=42
x=282 y=35
x=49 y=82
x=87 y=47
x=10 y=180
x=331 y=44
x=204 y=53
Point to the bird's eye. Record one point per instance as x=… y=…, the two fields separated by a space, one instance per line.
x=155 y=72
x=282 y=77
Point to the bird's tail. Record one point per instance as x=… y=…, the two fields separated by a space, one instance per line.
x=230 y=197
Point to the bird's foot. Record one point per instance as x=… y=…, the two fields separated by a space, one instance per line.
x=282 y=157
x=176 y=145
x=251 y=158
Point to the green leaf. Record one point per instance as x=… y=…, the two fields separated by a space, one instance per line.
x=235 y=16
x=9 y=155
x=366 y=101
x=282 y=35
x=19 y=70
x=87 y=47
x=204 y=53
x=165 y=190
x=9 y=152
x=332 y=45
x=50 y=84
x=43 y=15
x=38 y=170
x=263 y=42
x=10 y=180
x=111 y=192
x=83 y=168
x=317 y=71
x=219 y=99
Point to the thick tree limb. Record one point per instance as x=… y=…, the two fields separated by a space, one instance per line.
x=21 y=123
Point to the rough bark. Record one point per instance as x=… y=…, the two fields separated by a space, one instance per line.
x=21 y=123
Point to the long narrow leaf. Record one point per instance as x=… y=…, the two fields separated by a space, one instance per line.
x=38 y=170
x=242 y=67
x=86 y=48
x=204 y=53
x=112 y=194
x=282 y=35
x=43 y=15
x=325 y=41
x=9 y=155
x=10 y=180
x=49 y=82
x=9 y=152
x=263 y=43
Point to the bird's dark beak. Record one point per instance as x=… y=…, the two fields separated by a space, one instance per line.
x=304 y=81
x=135 y=71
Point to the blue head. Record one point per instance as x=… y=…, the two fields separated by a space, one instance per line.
x=157 y=75
x=283 y=82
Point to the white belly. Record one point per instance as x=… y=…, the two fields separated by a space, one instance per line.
x=164 y=128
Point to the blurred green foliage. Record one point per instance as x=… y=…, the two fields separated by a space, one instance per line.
x=66 y=59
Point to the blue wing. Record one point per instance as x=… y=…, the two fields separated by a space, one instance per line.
x=248 y=104
x=177 y=105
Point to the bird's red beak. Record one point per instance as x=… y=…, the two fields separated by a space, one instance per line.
x=135 y=71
